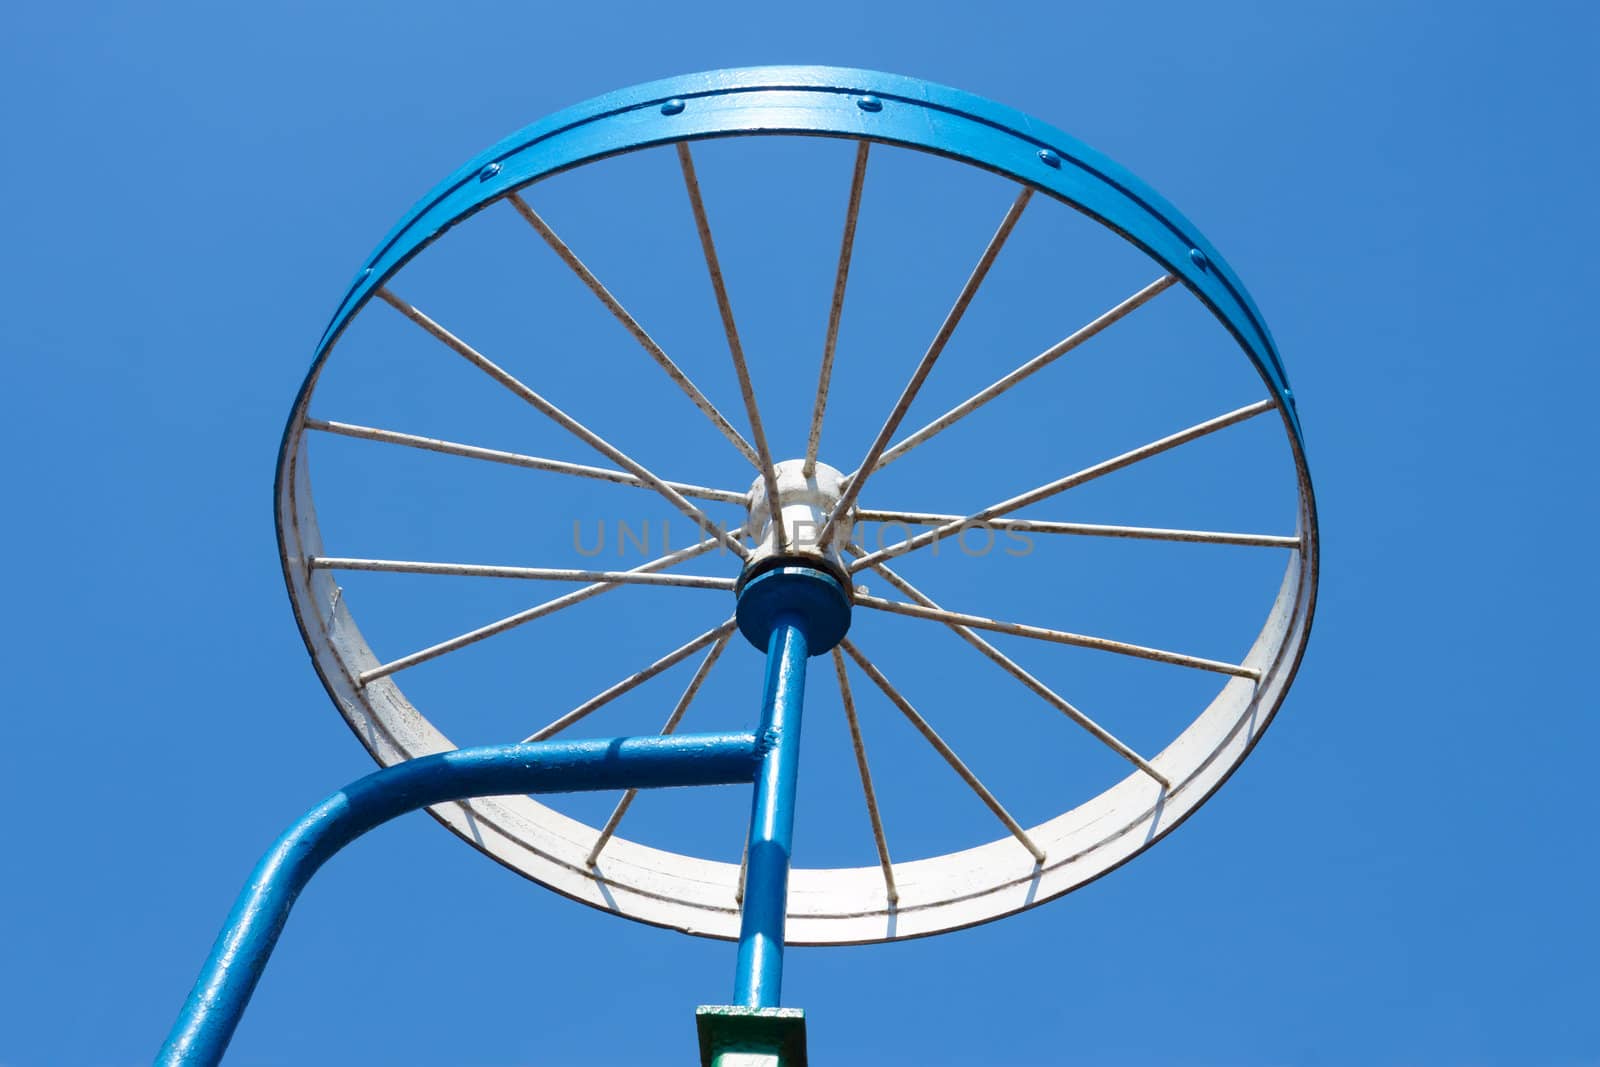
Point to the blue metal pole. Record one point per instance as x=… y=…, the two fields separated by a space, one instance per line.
x=759 y=975
x=209 y=1017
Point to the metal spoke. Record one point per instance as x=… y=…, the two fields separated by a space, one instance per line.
x=1144 y=533
x=577 y=596
x=1011 y=667
x=909 y=393
x=836 y=309
x=866 y=777
x=561 y=418
x=548 y=574
x=769 y=473
x=1060 y=637
x=1033 y=496
x=942 y=748
x=1037 y=363
x=626 y=802
x=600 y=700
x=514 y=459
x=655 y=351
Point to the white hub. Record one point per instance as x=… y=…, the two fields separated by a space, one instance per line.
x=805 y=504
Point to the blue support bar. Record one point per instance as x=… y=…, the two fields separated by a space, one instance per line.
x=209 y=1017
x=759 y=976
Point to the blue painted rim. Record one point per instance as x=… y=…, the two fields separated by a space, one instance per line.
x=838 y=102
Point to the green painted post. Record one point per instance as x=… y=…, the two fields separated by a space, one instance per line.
x=733 y=1036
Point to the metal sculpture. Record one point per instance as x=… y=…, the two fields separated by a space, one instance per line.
x=794 y=591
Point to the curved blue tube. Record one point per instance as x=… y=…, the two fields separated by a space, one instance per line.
x=209 y=1017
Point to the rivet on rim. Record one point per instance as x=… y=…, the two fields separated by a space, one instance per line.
x=672 y=107
x=488 y=172
x=1199 y=259
x=1049 y=158
x=869 y=103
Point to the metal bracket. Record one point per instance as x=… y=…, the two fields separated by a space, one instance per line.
x=751 y=1037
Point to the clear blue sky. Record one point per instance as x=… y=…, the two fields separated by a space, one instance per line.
x=1402 y=873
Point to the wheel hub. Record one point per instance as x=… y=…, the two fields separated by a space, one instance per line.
x=804 y=502
x=795 y=574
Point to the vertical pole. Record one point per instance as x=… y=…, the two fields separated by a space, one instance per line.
x=759 y=975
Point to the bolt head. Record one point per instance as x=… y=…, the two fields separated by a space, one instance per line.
x=488 y=172
x=869 y=103
x=672 y=107
x=1049 y=158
